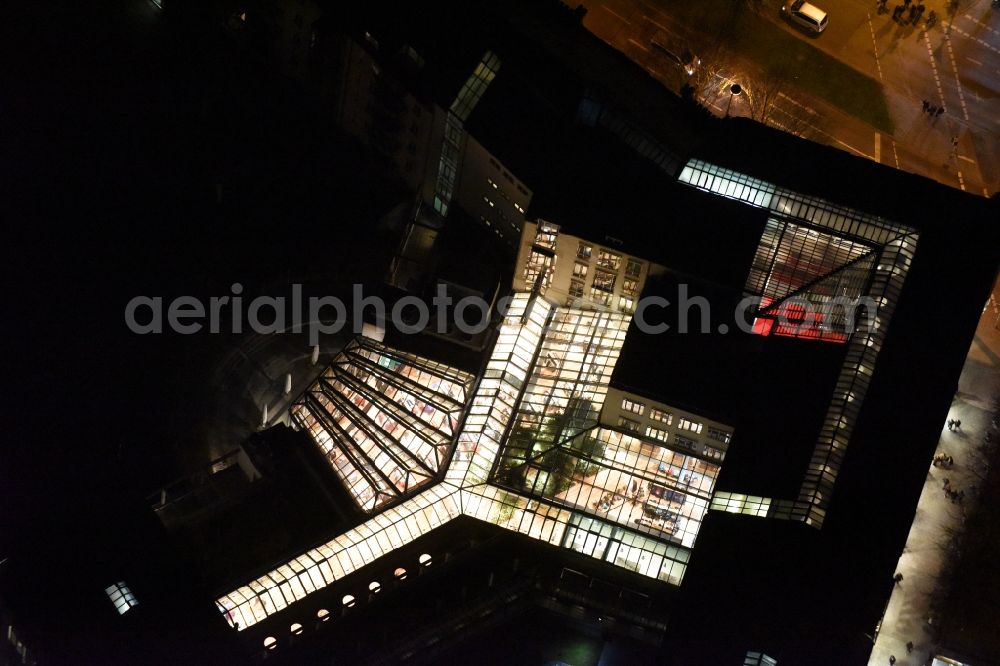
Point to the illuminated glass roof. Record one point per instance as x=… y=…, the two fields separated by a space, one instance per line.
x=386 y=420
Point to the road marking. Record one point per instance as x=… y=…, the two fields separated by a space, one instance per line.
x=878 y=147
x=878 y=65
x=961 y=181
x=973 y=38
x=658 y=25
x=853 y=149
x=967 y=159
x=937 y=79
x=895 y=155
x=974 y=62
x=958 y=81
x=799 y=104
x=981 y=24
x=614 y=13
x=632 y=41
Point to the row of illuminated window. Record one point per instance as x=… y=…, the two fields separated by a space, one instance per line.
x=506 y=174
x=639 y=408
x=608 y=260
x=628 y=548
x=121 y=596
x=599 y=296
x=818 y=211
x=337 y=558
x=605 y=280
x=661 y=435
x=348 y=601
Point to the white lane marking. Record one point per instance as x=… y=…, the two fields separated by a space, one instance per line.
x=895 y=155
x=981 y=24
x=958 y=81
x=981 y=42
x=658 y=25
x=853 y=149
x=878 y=147
x=974 y=62
x=878 y=65
x=967 y=159
x=961 y=181
x=632 y=41
x=937 y=79
x=807 y=109
x=614 y=13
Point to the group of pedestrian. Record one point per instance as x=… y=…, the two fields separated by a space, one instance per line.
x=907 y=13
x=954 y=424
x=932 y=110
x=943 y=460
x=956 y=496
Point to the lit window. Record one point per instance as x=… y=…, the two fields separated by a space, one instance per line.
x=121 y=597
x=270 y=642
x=400 y=573
x=609 y=260
x=323 y=615
x=629 y=286
x=600 y=296
x=576 y=288
x=296 y=629
x=519 y=209
x=580 y=270
x=487 y=200
x=662 y=417
x=425 y=560
x=490 y=181
x=685 y=424
x=634 y=407
x=605 y=281
x=626 y=305
x=584 y=251
x=348 y=600
x=656 y=433
x=374 y=587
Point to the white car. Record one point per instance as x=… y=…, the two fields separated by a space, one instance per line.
x=807 y=16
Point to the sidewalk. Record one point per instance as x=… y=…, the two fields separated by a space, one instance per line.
x=937 y=519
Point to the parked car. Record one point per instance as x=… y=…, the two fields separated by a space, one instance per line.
x=674 y=49
x=809 y=17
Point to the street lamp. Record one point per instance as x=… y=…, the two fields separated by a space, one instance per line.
x=734 y=90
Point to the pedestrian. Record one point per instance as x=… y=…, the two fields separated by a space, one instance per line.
x=906 y=4
x=896 y=12
x=937 y=113
x=951 y=422
x=927 y=106
x=954 y=144
x=909 y=647
x=913 y=14
x=892 y=659
x=898 y=578
x=958 y=423
x=947 y=482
